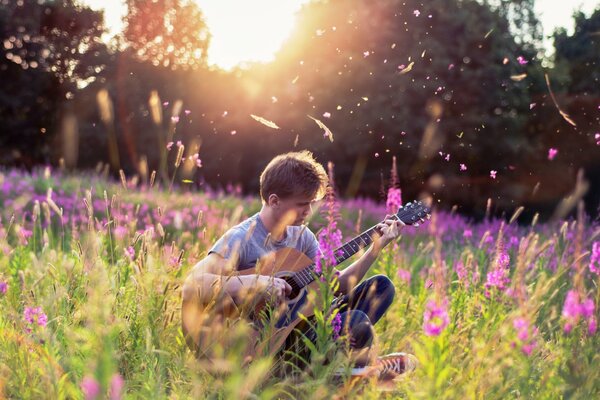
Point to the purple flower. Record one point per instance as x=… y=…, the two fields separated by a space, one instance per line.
x=552 y=153
x=592 y=326
x=435 y=317
x=394 y=200
x=498 y=277
x=330 y=238
x=116 y=387
x=336 y=324
x=522 y=60
x=404 y=275
x=90 y=388
x=571 y=309
x=130 y=252
x=462 y=273
x=587 y=308
x=526 y=334
x=493 y=174
x=34 y=315
x=3 y=287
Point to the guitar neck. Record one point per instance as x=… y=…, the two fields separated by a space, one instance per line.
x=307 y=275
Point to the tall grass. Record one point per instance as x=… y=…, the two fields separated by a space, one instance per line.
x=104 y=262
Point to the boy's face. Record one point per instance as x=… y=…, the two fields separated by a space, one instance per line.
x=293 y=210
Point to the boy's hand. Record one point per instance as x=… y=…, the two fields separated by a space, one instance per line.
x=388 y=230
x=276 y=288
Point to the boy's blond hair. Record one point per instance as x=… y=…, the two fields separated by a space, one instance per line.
x=293 y=174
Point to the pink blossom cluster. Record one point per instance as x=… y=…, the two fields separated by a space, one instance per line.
x=34 y=316
x=573 y=309
x=336 y=324
x=394 y=200
x=91 y=387
x=404 y=274
x=498 y=277
x=330 y=238
x=435 y=317
x=3 y=287
x=526 y=334
x=462 y=273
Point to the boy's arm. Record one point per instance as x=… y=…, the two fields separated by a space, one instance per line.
x=349 y=277
x=215 y=274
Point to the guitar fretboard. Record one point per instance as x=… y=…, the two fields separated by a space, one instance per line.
x=307 y=275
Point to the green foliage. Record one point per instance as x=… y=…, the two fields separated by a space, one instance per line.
x=109 y=313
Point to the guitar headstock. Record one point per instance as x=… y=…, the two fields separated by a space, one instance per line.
x=413 y=213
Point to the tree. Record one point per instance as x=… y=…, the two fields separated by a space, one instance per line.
x=43 y=44
x=391 y=73
x=168 y=33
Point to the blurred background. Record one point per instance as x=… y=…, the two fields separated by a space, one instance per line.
x=476 y=100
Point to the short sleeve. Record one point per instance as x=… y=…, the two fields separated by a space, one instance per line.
x=232 y=243
x=311 y=245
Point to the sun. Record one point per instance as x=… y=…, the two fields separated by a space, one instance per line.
x=241 y=31
x=244 y=31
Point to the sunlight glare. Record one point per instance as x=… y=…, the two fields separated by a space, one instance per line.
x=246 y=31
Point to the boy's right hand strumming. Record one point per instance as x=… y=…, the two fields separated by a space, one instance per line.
x=273 y=287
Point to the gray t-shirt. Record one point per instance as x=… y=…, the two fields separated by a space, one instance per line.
x=248 y=240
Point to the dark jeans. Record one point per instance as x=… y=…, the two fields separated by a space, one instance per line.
x=360 y=310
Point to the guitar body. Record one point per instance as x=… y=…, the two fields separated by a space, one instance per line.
x=208 y=329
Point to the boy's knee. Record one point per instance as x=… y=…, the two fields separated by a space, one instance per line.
x=384 y=285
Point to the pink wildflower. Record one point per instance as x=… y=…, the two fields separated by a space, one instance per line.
x=90 y=388
x=532 y=105
x=3 y=287
x=592 y=326
x=493 y=174
x=169 y=145
x=573 y=309
x=463 y=167
x=336 y=324
x=468 y=233
x=417 y=13
x=404 y=275
x=34 y=315
x=525 y=334
x=552 y=153
x=435 y=317
x=462 y=273
x=498 y=277
x=130 y=252
x=116 y=387
x=394 y=200
x=326 y=114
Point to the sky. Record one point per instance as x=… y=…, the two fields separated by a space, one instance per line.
x=261 y=26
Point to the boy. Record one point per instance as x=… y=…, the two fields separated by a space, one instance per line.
x=289 y=185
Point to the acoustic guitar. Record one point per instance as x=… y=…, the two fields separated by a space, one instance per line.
x=207 y=328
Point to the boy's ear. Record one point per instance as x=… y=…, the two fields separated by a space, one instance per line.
x=273 y=200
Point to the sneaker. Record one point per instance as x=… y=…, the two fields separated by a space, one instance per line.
x=386 y=367
x=392 y=365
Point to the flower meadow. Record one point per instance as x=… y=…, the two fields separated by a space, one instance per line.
x=90 y=291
